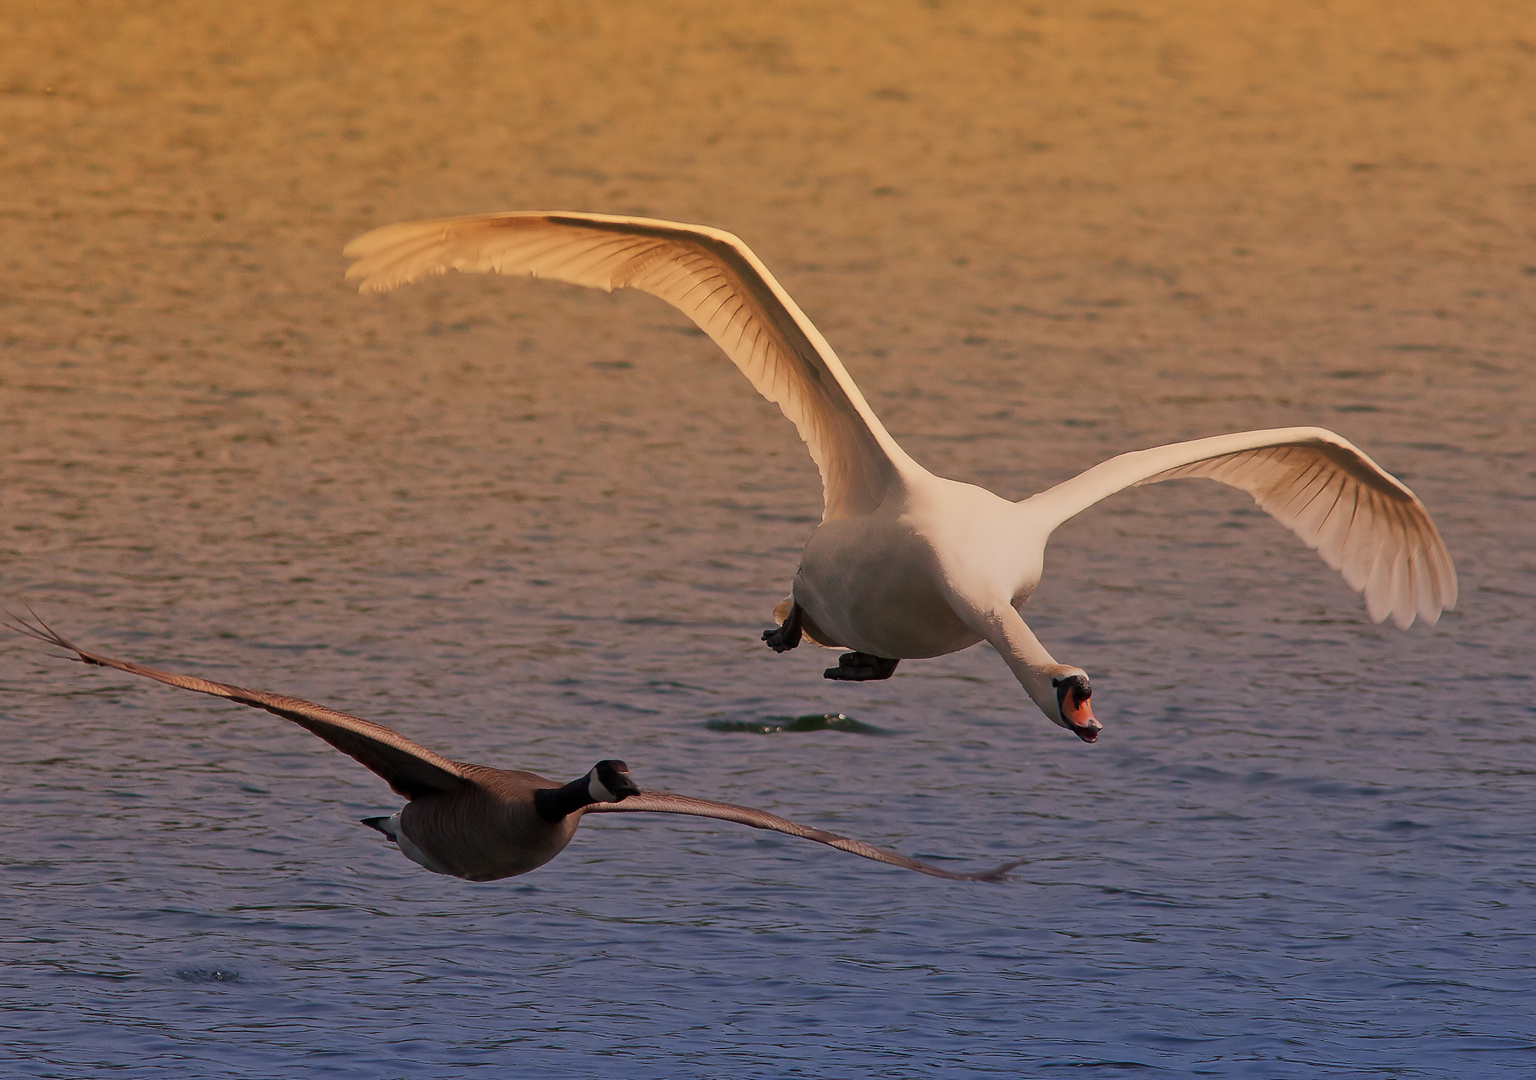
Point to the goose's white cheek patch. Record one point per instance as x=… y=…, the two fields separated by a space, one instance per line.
x=598 y=791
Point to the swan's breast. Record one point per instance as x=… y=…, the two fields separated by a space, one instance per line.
x=872 y=583
x=990 y=551
x=880 y=583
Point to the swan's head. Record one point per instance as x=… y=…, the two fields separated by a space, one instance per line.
x=1073 y=710
x=609 y=782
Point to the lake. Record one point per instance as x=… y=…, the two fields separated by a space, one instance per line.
x=534 y=527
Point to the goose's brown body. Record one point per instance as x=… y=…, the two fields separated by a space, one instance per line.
x=489 y=828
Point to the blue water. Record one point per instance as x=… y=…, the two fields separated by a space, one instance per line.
x=1302 y=847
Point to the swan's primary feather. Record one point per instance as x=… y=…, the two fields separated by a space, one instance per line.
x=707 y=274
x=1357 y=516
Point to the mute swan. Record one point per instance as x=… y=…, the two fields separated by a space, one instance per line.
x=479 y=823
x=906 y=564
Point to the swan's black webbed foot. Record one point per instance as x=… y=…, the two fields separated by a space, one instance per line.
x=786 y=636
x=861 y=667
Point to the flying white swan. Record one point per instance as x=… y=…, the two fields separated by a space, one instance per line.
x=476 y=822
x=906 y=564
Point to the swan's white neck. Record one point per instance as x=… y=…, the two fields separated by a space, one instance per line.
x=1029 y=661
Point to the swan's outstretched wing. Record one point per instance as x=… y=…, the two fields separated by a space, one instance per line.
x=660 y=802
x=410 y=769
x=1363 y=522
x=707 y=274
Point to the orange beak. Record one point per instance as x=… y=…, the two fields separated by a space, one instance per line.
x=1078 y=713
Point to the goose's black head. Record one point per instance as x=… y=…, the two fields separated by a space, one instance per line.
x=609 y=782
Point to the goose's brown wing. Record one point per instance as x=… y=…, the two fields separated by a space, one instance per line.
x=410 y=769
x=661 y=802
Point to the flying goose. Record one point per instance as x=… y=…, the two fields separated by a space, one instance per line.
x=906 y=564
x=479 y=823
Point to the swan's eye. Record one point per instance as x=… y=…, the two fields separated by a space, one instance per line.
x=1076 y=685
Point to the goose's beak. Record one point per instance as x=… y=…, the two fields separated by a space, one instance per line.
x=1089 y=730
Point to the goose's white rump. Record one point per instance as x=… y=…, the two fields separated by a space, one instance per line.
x=907 y=564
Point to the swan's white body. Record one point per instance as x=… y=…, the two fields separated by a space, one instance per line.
x=906 y=564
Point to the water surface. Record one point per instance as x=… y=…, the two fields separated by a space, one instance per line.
x=535 y=527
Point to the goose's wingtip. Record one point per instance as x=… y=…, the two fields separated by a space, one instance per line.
x=38 y=629
x=1001 y=873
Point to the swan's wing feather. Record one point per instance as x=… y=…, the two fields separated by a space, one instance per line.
x=1362 y=520
x=410 y=769
x=707 y=274
x=659 y=802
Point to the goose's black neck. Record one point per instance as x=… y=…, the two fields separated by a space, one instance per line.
x=555 y=804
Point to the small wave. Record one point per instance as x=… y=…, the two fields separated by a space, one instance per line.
x=779 y=725
x=207 y=975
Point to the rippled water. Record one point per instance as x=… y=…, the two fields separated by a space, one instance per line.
x=535 y=527
x=1302 y=847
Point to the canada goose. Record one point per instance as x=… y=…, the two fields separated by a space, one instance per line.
x=479 y=823
x=906 y=564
